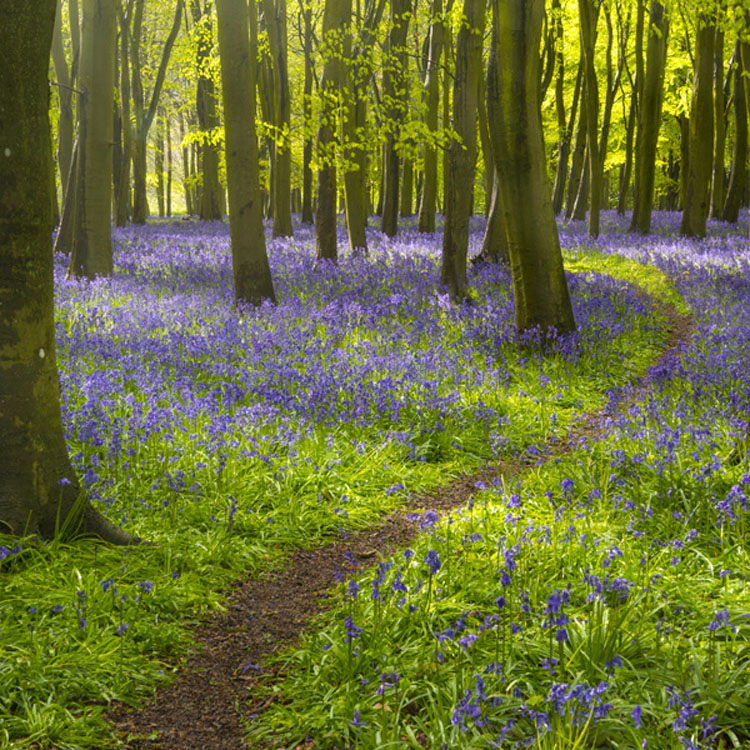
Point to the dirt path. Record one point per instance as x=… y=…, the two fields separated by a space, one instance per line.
x=202 y=708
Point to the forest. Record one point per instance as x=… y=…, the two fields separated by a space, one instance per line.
x=374 y=374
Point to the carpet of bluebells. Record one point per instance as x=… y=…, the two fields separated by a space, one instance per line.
x=597 y=600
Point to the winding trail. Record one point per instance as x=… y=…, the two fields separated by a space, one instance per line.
x=203 y=708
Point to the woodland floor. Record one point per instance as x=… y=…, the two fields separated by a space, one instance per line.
x=205 y=705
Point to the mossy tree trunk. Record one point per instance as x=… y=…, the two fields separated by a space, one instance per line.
x=39 y=490
x=122 y=185
x=695 y=208
x=539 y=285
x=91 y=253
x=252 y=275
x=649 y=118
x=463 y=152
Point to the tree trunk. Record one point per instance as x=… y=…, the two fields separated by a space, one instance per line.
x=64 y=237
x=431 y=92
x=738 y=170
x=210 y=208
x=91 y=254
x=649 y=119
x=577 y=162
x=39 y=491
x=274 y=12
x=695 y=208
x=627 y=167
x=159 y=161
x=189 y=209
x=143 y=116
x=395 y=110
x=65 y=101
x=495 y=240
x=122 y=188
x=565 y=132
x=169 y=167
x=539 y=284
x=252 y=275
x=336 y=21
x=307 y=181
x=588 y=15
x=357 y=81
x=463 y=152
x=717 y=174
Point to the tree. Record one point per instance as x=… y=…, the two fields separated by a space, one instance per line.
x=589 y=13
x=39 y=490
x=695 y=209
x=431 y=89
x=143 y=116
x=211 y=199
x=463 y=149
x=731 y=209
x=336 y=20
x=649 y=118
x=252 y=274
x=91 y=254
x=394 y=103
x=514 y=109
x=274 y=15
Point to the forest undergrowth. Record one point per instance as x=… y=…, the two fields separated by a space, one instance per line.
x=597 y=601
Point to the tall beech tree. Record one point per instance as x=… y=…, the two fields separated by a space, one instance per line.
x=717 y=174
x=733 y=199
x=588 y=11
x=91 y=253
x=431 y=94
x=463 y=149
x=252 y=274
x=278 y=97
x=695 y=209
x=336 y=40
x=143 y=115
x=394 y=104
x=39 y=490
x=649 y=118
x=539 y=285
x=211 y=197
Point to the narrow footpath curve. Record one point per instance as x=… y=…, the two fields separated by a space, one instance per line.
x=204 y=706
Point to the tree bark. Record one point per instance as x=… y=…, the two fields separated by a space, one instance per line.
x=336 y=21
x=695 y=208
x=65 y=100
x=577 y=161
x=39 y=491
x=159 y=161
x=431 y=92
x=539 y=284
x=463 y=152
x=274 y=12
x=211 y=204
x=495 y=240
x=91 y=254
x=143 y=116
x=122 y=186
x=733 y=200
x=252 y=275
x=717 y=174
x=307 y=177
x=588 y=11
x=395 y=110
x=649 y=119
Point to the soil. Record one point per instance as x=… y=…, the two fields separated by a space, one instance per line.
x=203 y=708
